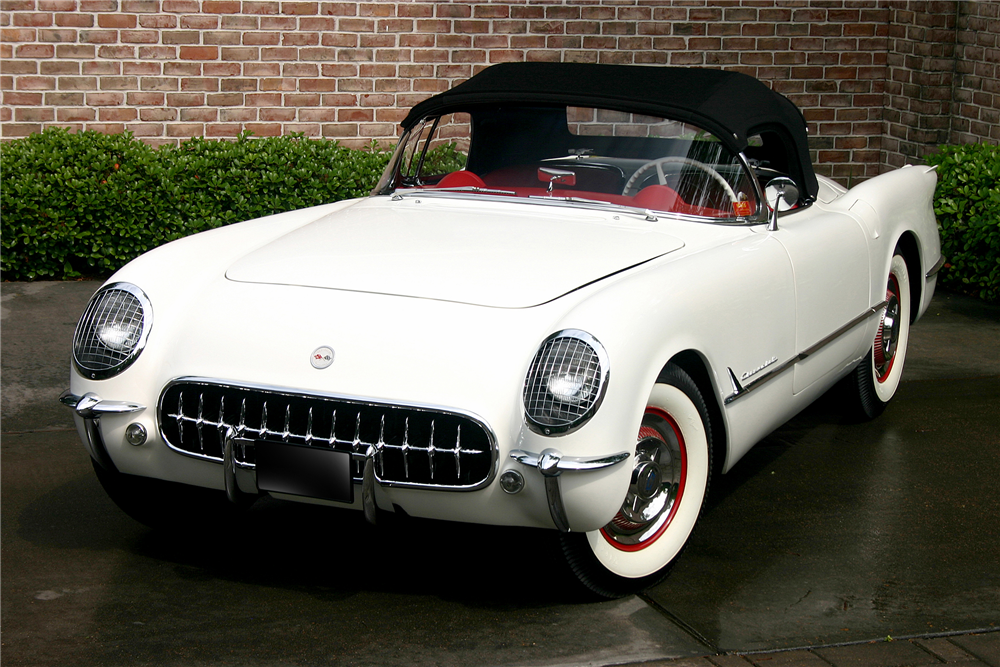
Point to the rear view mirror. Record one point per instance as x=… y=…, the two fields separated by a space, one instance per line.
x=553 y=176
x=782 y=194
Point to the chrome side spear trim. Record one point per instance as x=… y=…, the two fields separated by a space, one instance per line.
x=741 y=390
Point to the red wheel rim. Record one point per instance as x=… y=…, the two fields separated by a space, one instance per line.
x=658 y=524
x=883 y=359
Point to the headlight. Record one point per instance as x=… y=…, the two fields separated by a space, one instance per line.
x=112 y=331
x=565 y=383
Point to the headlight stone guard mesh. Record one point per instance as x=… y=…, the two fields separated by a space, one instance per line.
x=127 y=308
x=573 y=354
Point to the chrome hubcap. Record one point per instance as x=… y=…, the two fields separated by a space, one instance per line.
x=888 y=331
x=656 y=486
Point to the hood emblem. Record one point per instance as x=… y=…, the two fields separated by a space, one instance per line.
x=321 y=357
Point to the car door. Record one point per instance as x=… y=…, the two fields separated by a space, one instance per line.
x=831 y=273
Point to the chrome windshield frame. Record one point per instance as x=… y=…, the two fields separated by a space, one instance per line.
x=471 y=193
x=389 y=184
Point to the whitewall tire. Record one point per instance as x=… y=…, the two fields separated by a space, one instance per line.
x=877 y=376
x=670 y=477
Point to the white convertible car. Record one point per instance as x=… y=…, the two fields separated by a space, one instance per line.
x=576 y=293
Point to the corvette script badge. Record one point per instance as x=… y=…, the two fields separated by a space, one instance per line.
x=322 y=357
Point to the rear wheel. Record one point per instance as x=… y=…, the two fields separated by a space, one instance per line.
x=670 y=477
x=877 y=377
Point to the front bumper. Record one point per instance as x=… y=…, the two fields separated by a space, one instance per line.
x=239 y=479
x=552 y=464
x=90 y=407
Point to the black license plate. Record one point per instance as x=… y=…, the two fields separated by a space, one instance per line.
x=304 y=471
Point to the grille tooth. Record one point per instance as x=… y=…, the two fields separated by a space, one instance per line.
x=262 y=431
x=223 y=427
x=288 y=416
x=401 y=438
x=356 y=445
x=379 y=446
x=430 y=450
x=406 y=449
x=180 y=418
x=201 y=422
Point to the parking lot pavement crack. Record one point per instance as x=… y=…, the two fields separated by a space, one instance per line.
x=801 y=599
x=680 y=623
x=38 y=430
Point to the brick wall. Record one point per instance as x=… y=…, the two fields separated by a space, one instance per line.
x=943 y=77
x=976 y=99
x=874 y=78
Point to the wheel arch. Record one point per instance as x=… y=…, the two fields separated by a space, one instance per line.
x=696 y=366
x=910 y=250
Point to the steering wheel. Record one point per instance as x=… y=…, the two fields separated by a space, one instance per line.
x=658 y=165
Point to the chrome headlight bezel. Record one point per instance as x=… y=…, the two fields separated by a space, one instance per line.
x=101 y=352
x=573 y=359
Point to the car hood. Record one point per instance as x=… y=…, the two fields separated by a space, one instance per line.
x=490 y=254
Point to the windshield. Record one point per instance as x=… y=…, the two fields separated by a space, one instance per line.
x=577 y=154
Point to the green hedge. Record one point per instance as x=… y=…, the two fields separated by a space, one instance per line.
x=87 y=203
x=967 y=204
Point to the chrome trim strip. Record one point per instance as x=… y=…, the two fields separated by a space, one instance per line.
x=69 y=399
x=557 y=510
x=874 y=310
x=87 y=407
x=937 y=267
x=740 y=390
x=90 y=405
x=236 y=475
x=573 y=202
x=551 y=463
x=369 y=402
x=761 y=215
x=368 y=491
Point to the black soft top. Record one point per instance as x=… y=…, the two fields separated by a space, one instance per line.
x=731 y=105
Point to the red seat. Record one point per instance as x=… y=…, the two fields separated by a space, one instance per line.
x=460 y=179
x=657 y=197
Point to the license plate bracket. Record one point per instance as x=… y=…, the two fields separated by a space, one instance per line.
x=297 y=470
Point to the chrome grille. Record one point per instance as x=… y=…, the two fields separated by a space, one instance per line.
x=413 y=445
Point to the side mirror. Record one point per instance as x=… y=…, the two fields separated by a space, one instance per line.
x=781 y=190
x=553 y=176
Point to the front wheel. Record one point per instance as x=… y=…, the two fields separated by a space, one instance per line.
x=670 y=477
x=877 y=377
